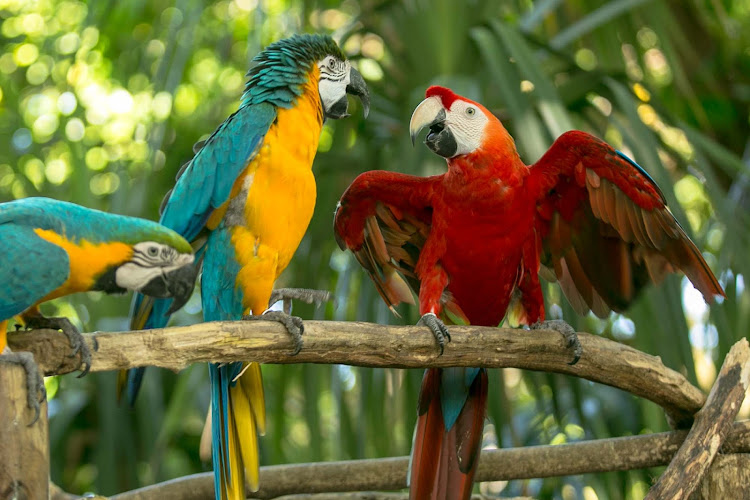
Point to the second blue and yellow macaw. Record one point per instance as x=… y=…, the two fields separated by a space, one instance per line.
x=50 y=249
x=245 y=201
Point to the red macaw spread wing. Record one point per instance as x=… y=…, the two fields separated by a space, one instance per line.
x=391 y=246
x=392 y=243
x=384 y=218
x=605 y=228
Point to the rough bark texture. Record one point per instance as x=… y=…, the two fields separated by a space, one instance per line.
x=712 y=424
x=635 y=452
x=728 y=477
x=367 y=344
x=24 y=449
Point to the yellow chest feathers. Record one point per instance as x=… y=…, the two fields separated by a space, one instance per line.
x=273 y=200
x=87 y=261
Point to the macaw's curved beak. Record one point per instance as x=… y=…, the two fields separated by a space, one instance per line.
x=431 y=113
x=178 y=284
x=358 y=87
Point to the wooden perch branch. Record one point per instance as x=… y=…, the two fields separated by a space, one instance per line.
x=711 y=426
x=367 y=344
x=603 y=455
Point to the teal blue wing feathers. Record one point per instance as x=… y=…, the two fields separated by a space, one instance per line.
x=202 y=186
x=30 y=268
x=205 y=183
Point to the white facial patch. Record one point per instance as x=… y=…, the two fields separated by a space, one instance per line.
x=467 y=123
x=149 y=260
x=334 y=77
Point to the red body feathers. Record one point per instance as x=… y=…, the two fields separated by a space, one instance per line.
x=471 y=240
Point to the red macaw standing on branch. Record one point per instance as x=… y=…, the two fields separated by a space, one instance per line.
x=474 y=241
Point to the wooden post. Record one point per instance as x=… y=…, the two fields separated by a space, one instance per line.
x=728 y=477
x=24 y=448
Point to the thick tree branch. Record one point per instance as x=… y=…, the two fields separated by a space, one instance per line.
x=603 y=455
x=712 y=424
x=367 y=344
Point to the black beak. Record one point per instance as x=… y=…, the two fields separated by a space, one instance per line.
x=357 y=87
x=431 y=114
x=440 y=139
x=177 y=284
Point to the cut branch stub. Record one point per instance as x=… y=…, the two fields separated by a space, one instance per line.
x=712 y=424
x=367 y=344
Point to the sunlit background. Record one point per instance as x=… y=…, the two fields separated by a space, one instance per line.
x=101 y=102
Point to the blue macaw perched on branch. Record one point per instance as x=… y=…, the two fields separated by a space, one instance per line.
x=51 y=248
x=245 y=201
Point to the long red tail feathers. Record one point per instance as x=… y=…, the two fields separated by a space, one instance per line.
x=444 y=462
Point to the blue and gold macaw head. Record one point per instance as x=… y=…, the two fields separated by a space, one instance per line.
x=79 y=249
x=284 y=67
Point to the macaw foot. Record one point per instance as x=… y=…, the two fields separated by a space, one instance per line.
x=569 y=335
x=293 y=325
x=438 y=329
x=34 y=380
x=77 y=343
x=307 y=295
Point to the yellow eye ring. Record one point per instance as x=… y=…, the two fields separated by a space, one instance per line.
x=470 y=111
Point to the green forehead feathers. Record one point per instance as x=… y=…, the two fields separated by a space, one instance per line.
x=282 y=68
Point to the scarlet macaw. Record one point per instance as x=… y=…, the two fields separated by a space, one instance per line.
x=245 y=201
x=477 y=237
x=53 y=248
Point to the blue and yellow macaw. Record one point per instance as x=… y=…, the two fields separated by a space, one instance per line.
x=51 y=248
x=245 y=201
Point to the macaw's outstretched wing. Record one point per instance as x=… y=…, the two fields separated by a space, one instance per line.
x=392 y=243
x=30 y=268
x=202 y=189
x=384 y=219
x=605 y=228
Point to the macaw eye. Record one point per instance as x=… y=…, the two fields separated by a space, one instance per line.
x=470 y=111
x=332 y=63
x=153 y=251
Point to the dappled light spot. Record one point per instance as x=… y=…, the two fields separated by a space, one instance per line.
x=623 y=328
x=44 y=127
x=602 y=104
x=25 y=54
x=586 y=59
x=104 y=184
x=67 y=103
x=96 y=158
x=370 y=70
x=57 y=171
x=74 y=130
x=22 y=140
x=33 y=169
x=37 y=73
x=246 y=5
x=647 y=38
x=120 y=102
x=7 y=63
x=68 y=43
x=162 y=105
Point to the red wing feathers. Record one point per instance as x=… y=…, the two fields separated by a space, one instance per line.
x=606 y=229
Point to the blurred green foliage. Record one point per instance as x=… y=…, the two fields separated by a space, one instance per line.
x=100 y=103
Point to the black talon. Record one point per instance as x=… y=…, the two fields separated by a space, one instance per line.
x=307 y=295
x=438 y=329
x=569 y=336
x=77 y=343
x=34 y=380
x=293 y=325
